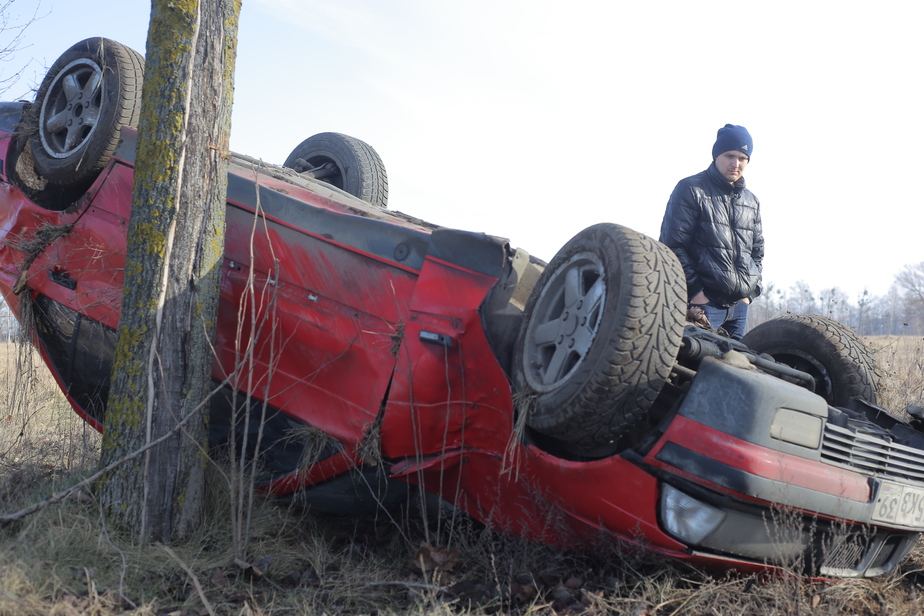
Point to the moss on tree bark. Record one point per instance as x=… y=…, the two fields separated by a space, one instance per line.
x=162 y=366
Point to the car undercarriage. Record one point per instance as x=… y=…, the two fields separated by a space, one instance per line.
x=386 y=360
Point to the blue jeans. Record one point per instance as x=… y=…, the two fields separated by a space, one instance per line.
x=733 y=320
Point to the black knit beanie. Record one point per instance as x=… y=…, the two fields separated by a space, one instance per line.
x=733 y=137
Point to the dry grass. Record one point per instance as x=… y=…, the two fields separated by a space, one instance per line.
x=63 y=560
x=902 y=360
x=41 y=439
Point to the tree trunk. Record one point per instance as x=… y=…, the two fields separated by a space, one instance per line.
x=162 y=366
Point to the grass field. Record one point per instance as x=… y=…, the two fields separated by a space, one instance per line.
x=63 y=560
x=902 y=361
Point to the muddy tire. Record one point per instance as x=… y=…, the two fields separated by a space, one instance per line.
x=835 y=356
x=600 y=335
x=87 y=96
x=351 y=165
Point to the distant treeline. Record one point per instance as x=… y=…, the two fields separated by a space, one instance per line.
x=898 y=312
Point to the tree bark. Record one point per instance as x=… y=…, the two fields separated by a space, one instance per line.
x=162 y=365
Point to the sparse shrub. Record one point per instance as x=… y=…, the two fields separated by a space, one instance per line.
x=902 y=358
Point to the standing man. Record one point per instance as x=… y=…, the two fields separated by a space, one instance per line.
x=712 y=223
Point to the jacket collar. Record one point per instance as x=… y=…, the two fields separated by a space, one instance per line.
x=716 y=178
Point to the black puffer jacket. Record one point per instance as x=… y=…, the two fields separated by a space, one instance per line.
x=714 y=228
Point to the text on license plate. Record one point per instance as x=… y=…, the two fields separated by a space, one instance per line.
x=899 y=504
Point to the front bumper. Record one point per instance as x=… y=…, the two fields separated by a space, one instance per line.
x=788 y=538
x=777 y=496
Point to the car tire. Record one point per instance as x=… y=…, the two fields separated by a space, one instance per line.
x=842 y=365
x=345 y=162
x=600 y=336
x=87 y=96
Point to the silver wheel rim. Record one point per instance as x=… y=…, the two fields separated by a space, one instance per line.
x=71 y=108
x=564 y=322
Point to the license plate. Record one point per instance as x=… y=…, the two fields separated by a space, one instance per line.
x=898 y=504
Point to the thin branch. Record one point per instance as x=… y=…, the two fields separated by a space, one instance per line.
x=193 y=577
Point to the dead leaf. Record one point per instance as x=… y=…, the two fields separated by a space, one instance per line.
x=523 y=593
x=261 y=566
x=430 y=558
x=255 y=569
x=218 y=578
x=237 y=597
x=573 y=583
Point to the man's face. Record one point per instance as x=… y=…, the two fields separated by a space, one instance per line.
x=731 y=164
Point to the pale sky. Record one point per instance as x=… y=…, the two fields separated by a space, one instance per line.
x=532 y=120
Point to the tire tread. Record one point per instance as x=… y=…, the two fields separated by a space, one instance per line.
x=79 y=169
x=609 y=394
x=847 y=359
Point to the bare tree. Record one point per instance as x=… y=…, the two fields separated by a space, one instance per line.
x=801 y=300
x=768 y=306
x=865 y=305
x=834 y=303
x=163 y=360
x=13 y=25
x=911 y=280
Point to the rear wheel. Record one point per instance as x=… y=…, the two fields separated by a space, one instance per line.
x=87 y=96
x=600 y=336
x=835 y=356
x=345 y=162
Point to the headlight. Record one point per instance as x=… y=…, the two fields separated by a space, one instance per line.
x=686 y=518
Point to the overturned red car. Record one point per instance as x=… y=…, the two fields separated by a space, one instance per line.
x=391 y=360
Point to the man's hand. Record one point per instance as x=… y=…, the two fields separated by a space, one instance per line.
x=699 y=299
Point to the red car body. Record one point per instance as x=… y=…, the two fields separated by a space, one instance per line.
x=371 y=327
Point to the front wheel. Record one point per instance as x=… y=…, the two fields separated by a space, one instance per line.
x=839 y=361
x=601 y=333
